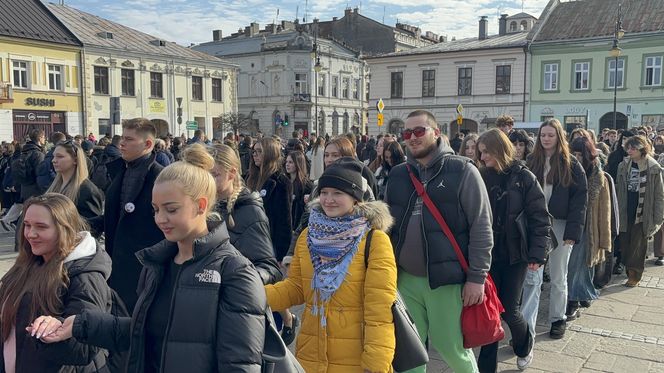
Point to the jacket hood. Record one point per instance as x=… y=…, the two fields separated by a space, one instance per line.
x=112 y=150
x=30 y=146
x=442 y=150
x=87 y=257
x=166 y=250
x=247 y=197
x=376 y=212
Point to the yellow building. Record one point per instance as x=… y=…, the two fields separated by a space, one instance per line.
x=39 y=72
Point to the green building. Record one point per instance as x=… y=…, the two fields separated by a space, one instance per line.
x=573 y=74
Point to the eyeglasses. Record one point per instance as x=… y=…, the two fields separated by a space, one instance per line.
x=417 y=131
x=70 y=143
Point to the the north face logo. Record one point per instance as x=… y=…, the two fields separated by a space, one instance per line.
x=209 y=275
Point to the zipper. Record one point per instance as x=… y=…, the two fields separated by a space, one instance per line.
x=403 y=220
x=424 y=235
x=170 y=318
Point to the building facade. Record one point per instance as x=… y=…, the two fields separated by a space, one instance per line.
x=145 y=76
x=574 y=77
x=280 y=89
x=40 y=64
x=484 y=77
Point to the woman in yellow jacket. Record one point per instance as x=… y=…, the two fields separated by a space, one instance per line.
x=347 y=322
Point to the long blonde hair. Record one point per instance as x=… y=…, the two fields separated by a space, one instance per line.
x=498 y=145
x=561 y=160
x=45 y=281
x=192 y=174
x=272 y=163
x=227 y=158
x=80 y=173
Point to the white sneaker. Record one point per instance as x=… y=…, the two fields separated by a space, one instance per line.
x=523 y=362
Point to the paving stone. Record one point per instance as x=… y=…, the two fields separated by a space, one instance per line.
x=600 y=361
x=581 y=345
x=625 y=326
x=546 y=361
x=656 y=368
x=632 y=349
x=629 y=364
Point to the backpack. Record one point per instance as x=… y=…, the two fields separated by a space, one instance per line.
x=99 y=174
x=45 y=174
x=116 y=361
x=22 y=170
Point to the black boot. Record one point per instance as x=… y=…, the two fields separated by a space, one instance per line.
x=572 y=311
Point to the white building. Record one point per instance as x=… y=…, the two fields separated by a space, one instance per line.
x=148 y=75
x=486 y=75
x=278 y=79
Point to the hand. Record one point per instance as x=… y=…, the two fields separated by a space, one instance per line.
x=63 y=333
x=472 y=294
x=533 y=266
x=569 y=242
x=43 y=326
x=306 y=199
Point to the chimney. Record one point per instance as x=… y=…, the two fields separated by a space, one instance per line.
x=483 y=26
x=356 y=10
x=255 y=28
x=348 y=12
x=502 y=24
x=335 y=18
x=216 y=35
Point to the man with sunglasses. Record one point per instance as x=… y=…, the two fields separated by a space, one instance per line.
x=431 y=280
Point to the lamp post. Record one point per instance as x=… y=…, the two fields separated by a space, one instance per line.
x=615 y=53
x=317 y=69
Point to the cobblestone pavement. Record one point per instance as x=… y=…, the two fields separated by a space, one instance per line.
x=623 y=331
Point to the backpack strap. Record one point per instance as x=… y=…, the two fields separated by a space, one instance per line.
x=367 y=246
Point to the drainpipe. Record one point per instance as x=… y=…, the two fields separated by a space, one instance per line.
x=83 y=92
x=525 y=78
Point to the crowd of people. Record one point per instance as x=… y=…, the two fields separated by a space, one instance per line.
x=146 y=254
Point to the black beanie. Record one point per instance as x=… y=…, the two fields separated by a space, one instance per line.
x=346 y=175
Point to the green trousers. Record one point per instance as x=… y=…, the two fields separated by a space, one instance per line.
x=437 y=315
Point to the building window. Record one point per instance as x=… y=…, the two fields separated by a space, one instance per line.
x=575 y=121
x=104 y=125
x=503 y=79
x=367 y=91
x=653 y=71
x=612 y=73
x=128 y=82
x=581 y=75
x=356 y=89
x=544 y=118
x=156 y=85
x=345 y=87
x=55 y=77
x=551 y=77
x=428 y=83
x=301 y=83
x=321 y=85
x=21 y=75
x=335 y=86
x=216 y=89
x=396 y=85
x=513 y=26
x=197 y=88
x=101 y=80
x=465 y=81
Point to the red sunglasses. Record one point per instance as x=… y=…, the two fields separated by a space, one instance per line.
x=417 y=131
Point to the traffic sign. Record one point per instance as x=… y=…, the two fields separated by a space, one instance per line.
x=192 y=125
x=459 y=109
x=380 y=119
x=459 y=119
x=380 y=105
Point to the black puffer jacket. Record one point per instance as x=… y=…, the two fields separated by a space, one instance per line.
x=523 y=194
x=250 y=234
x=216 y=322
x=569 y=203
x=87 y=291
x=34 y=154
x=277 y=193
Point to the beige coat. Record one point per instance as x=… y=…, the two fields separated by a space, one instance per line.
x=598 y=218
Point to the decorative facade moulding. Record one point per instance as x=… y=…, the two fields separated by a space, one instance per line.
x=216 y=74
x=142 y=67
x=156 y=67
x=169 y=69
x=197 y=71
x=127 y=63
x=187 y=72
x=101 y=61
x=206 y=73
x=113 y=62
x=179 y=70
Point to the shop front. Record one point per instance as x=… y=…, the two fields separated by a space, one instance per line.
x=25 y=121
x=36 y=110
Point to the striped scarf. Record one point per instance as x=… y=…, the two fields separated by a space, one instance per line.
x=643 y=181
x=332 y=244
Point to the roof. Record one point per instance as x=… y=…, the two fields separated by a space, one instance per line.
x=585 y=19
x=31 y=20
x=87 y=27
x=521 y=15
x=513 y=40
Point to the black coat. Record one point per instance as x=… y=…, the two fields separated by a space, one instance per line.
x=299 y=191
x=87 y=291
x=524 y=194
x=216 y=324
x=250 y=234
x=128 y=232
x=35 y=155
x=569 y=203
x=277 y=193
x=90 y=202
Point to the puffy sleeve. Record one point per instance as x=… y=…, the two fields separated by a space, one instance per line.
x=289 y=292
x=578 y=203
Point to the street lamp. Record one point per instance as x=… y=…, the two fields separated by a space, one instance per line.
x=317 y=69
x=615 y=52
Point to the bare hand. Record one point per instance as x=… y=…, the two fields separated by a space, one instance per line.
x=533 y=266
x=472 y=294
x=43 y=326
x=63 y=333
x=569 y=242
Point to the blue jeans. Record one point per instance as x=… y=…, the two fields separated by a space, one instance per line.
x=532 y=289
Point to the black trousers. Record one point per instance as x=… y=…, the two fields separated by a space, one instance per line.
x=509 y=284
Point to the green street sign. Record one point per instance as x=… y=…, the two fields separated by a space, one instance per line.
x=192 y=125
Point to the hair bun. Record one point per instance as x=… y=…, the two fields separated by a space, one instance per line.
x=197 y=155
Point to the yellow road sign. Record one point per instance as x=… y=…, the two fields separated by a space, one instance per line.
x=380 y=119
x=459 y=119
x=459 y=109
x=380 y=105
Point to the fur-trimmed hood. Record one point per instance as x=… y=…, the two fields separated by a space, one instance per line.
x=376 y=212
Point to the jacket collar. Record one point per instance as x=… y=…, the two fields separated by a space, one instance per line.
x=165 y=250
x=442 y=150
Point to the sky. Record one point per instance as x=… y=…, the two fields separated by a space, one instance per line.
x=192 y=21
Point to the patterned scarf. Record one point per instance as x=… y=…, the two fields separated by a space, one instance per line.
x=643 y=183
x=332 y=244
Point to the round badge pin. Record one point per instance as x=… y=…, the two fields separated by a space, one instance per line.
x=129 y=207
x=263 y=192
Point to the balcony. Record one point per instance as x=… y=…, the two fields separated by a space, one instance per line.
x=6 y=93
x=301 y=97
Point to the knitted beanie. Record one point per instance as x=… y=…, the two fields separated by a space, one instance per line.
x=346 y=175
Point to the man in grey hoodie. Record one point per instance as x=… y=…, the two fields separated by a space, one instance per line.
x=431 y=280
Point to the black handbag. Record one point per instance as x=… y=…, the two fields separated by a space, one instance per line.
x=277 y=358
x=409 y=351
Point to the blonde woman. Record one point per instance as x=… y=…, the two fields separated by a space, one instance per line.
x=72 y=181
x=59 y=272
x=201 y=304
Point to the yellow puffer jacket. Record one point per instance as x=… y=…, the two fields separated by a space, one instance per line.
x=359 y=334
